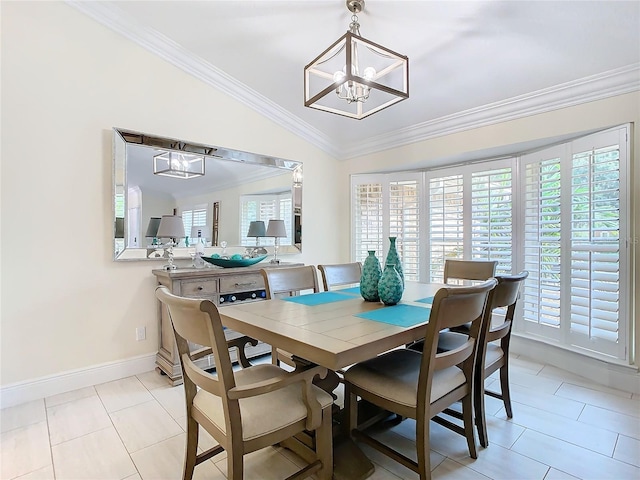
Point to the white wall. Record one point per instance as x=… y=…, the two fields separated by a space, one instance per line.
x=66 y=82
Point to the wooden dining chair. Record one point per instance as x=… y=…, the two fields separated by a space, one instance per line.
x=460 y=270
x=492 y=355
x=288 y=281
x=340 y=274
x=248 y=409
x=422 y=385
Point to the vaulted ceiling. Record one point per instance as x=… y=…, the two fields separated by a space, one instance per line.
x=471 y=63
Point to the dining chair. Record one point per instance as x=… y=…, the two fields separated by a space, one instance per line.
x=248 y=409
x=340 y=274
x=492 y=355
x=422 y=385
x=288 y=281
x=479 y=270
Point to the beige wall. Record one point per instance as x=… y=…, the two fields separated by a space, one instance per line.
x=66 y=81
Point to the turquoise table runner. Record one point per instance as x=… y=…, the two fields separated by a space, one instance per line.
x=400 y=315
x=428 y=300
x=320 y=298
x=352 y=290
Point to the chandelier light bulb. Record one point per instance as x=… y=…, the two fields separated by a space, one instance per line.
x=369 y=73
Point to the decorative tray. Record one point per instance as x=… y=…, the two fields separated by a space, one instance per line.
x=231 y=263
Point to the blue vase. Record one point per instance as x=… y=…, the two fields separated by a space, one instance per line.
x=390 y=285
x=371 y=273
x=393 y=258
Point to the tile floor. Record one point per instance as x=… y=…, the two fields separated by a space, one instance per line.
x=564 y=427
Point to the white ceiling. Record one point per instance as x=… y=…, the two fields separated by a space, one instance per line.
x=471 y=63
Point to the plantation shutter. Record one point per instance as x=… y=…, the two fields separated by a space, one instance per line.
x=193 y=217
x=542 y=242
x=596 y=227
x=265 y=208
x=368 y=219
x=446 y=225
x=492 y=217
x=404 y=223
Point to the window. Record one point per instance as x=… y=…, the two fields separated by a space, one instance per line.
x=266 y=207
x=194 y=216
x=561 y=213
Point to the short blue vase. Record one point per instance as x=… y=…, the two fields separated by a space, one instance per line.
x=390 y=286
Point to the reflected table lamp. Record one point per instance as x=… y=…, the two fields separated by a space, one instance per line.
x=152 y=230
x=257 y=229
x=171 y=227
x=277 y=230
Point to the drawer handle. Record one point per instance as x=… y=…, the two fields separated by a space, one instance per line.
x=200 y=287
x=248 y=284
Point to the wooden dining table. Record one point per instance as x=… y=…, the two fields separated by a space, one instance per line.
x=336 y=329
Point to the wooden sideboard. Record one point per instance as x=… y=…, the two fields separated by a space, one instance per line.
x=223 y=286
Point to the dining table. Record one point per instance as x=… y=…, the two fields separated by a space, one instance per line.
x=335 y=329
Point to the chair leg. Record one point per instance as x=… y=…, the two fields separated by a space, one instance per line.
x=274 y=357
x=423 y=448
x=504 y=387
x=479 y=407
x=324 y=445
x=235 y=467
x=467 y=418
x=191 y=450
x=350 y=411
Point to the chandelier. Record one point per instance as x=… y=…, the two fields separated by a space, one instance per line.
x=356 y=77
x=178 y=164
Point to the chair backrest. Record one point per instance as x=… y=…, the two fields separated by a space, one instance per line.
x=453 y=306
x=505 y=295
x=340 y=274
x=479 y=270
x=198 y=321
x=290 y=280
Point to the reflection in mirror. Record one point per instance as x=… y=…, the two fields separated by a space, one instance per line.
x=237 y=188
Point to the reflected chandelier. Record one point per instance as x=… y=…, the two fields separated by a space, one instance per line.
x=355 y=77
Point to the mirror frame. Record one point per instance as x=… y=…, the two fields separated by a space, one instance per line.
x=123 y=137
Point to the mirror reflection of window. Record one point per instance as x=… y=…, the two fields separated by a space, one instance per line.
x=134 y=204
x=194 y=216
x=265 y=207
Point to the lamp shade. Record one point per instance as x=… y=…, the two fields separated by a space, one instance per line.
x=152 y=228
x=171 y=226
x=276 y=228
x=201 y=231
x=256 y=229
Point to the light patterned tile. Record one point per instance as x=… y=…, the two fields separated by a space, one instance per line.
x=98 y=455
x=265 y=464
x=381 y=473
x=561 y=406
x=525 y=365
x=536 y=382
x=134 y=477
x=571 y=459
x=558 y=475
x=502 y=431
x=153 y=380
x=123 y=393
x=172 y=400
x=24 y=450
x=610 y=420
x=450 y=470
x=70 y=396
x=45 y=473
x=165 y=460
x=628 y=450
x=76 y=418
x=626 y=406
x=550 y=371
x=563 y=428
x=143 y=425
x=22 y=415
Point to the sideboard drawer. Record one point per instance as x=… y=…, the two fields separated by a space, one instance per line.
x=239 y=283
x=199 y=288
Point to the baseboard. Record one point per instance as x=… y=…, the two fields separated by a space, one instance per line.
x=610 y=374
x=17 y=393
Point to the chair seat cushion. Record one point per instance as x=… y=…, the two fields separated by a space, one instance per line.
x=264 y=413
x=394 y=376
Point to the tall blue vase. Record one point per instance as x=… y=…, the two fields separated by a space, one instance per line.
x=390 y=286
x=393 y=258
x=371 y=273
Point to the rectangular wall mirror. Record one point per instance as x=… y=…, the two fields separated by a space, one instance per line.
x=217 y=191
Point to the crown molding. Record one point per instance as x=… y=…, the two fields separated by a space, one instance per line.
x=596 y=87
x=589 y=89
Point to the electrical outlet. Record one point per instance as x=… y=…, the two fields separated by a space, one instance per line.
x=141 y=333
